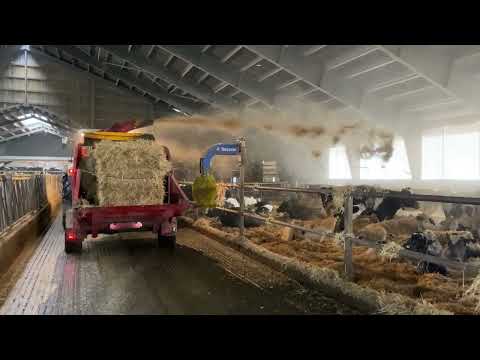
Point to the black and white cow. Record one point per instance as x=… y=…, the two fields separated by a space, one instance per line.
x=389 y=206
x=303 y=207
x=421 y=243
x=233 y=220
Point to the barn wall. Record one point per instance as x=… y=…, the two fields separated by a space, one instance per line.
x=36 y=145
x=66 y=92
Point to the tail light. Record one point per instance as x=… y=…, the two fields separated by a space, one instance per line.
x=70 y=235
x=71 y=172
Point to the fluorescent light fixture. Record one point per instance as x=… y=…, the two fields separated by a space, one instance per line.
x=175 y=109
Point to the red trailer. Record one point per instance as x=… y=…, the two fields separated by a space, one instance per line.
x=83 y=220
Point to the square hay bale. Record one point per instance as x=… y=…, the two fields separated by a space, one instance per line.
x=130 y=172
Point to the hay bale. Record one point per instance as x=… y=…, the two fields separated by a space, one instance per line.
x=130 y=172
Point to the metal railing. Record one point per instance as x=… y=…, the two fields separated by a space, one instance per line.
x=20 y=195
x=349 y=238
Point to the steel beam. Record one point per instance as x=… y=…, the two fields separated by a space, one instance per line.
x=203 y=93
x=35 y=158
x=438 y=64
x=231 y=53
x=370 y=68
x=269 y=74
x=408 y=93
x=312 y=50
x=393 y=82
x=352 y=55
x=424 y=60
x=202 y=78
x=224 y=72
x=142 y=84
x=168 y=61
x=330 y=83
x=312 y=90
x=86 y=73
x=254 y=62
x=150 y=51
x=288 y=83
x=187 y=70
x=432 y=105
x=220 y=87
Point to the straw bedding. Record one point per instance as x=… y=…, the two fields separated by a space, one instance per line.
x=130 y=172
x=420 y=293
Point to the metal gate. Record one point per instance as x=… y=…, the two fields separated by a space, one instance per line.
x=20 y=195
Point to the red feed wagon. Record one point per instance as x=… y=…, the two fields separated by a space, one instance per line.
x=84 y=219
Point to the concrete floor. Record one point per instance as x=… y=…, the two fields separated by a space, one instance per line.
x=127 y=274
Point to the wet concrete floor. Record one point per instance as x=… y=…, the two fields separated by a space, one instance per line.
x=128 y=274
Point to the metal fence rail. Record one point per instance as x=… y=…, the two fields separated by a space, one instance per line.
x=20 y=195
x=349 y=238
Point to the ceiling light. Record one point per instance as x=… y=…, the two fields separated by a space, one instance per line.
x=175 y=109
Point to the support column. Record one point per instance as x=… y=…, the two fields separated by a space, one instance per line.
x=26 y=76
x=353 y=156
x=324 y=166
x=413 y=144
x=92 y=104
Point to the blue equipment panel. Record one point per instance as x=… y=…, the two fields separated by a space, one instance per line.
x=217 y=149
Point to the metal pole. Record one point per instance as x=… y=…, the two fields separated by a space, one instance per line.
x=348 y=224
x=242 y=188
x=92 y=104
x=26 y=76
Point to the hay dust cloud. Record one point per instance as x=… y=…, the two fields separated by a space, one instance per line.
x=297 y=137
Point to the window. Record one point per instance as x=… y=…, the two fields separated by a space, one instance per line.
x=397 y=168
x=451 y=153
x=34 y=122
x=338 y=166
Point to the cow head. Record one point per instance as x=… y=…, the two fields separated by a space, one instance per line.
x=457 y=245
x=408 y=203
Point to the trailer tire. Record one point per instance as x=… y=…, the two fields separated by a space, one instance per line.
x=73 y=247
x=167 y=242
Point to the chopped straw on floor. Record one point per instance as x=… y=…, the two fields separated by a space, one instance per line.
x=396 y=304
x=473 y=291
x=390 y=250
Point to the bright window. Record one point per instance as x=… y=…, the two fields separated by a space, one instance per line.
x=451 y=153
x=397 y=168
x=338 y=166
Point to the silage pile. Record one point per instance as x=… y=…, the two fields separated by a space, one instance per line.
x=130 y=172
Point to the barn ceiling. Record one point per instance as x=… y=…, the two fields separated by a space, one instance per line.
x=391 y=85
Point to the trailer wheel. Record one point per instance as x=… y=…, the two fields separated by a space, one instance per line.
x=167 y=242
x=73 y=247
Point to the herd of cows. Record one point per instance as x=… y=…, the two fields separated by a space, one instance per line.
x=449 y=231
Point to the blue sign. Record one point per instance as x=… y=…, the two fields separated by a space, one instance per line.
x=218 y=149
x=227 y=149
